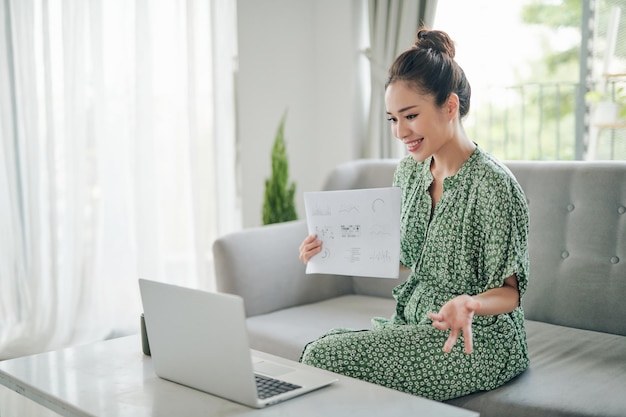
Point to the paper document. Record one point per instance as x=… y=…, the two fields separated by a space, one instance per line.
x=359 y=230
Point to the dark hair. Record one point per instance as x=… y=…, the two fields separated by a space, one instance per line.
x=430 y=68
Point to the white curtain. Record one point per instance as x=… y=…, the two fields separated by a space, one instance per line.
x=117 y=133
x=392 y=26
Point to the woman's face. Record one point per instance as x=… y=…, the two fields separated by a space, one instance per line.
x=423 y=127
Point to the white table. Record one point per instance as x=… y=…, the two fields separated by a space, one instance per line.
x=114 y=378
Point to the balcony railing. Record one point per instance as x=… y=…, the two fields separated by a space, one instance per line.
x=537 y=121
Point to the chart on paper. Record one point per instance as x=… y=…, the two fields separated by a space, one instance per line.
x=359 y=230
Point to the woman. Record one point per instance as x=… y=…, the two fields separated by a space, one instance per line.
x=458 y=327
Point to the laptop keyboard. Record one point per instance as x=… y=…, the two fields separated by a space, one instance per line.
x=268 y=387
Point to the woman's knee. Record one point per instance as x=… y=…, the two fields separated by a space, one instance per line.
x=314 y=353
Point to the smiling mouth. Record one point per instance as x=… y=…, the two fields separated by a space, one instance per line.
x=413 y=145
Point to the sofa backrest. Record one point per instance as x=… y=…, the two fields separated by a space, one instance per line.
x=361 y=173
x=254 y=262
x=577 y=243
x=577 y=240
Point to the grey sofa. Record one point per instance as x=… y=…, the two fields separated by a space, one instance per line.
x=575 y=305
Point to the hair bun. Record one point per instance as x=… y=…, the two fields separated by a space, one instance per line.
x=436 y=40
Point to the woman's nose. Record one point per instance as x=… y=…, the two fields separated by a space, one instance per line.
x=402 y=130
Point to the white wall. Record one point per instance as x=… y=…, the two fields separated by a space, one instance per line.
x=300 y=55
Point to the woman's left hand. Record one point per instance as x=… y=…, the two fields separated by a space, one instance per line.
x=456 y=315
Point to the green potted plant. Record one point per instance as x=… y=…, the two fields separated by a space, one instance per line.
x=279 y=202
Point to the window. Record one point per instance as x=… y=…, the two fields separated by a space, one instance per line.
x=522 y=58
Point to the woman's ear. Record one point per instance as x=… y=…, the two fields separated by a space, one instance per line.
x=452 y=105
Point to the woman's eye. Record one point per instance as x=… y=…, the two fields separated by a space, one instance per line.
x=411 y=116
x=392 y=119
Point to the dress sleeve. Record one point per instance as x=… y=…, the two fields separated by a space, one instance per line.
x=505 y=233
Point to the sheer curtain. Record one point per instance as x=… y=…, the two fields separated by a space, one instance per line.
x=116 y=135
x=392 y=27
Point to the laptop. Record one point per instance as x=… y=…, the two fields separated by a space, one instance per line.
x=200 y=339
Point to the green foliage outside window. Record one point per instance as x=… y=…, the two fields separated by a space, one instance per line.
x=535 y=118
x=279 y=203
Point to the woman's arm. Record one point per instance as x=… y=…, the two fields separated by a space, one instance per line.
x=499 y=300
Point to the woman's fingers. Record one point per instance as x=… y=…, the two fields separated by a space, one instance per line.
x=452 y=338
x=468 y=339
x=307 y=240
x=456 y=315
x=438 y=321
x=309 y=248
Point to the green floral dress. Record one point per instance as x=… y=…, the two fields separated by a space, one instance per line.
x=476 y=238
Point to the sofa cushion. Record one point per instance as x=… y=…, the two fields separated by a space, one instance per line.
x=286 y=332
x=568 y=366
x=572 y=373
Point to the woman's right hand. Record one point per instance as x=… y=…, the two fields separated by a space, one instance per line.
x=310 y=247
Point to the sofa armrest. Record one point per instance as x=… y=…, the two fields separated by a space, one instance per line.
x=261 y=265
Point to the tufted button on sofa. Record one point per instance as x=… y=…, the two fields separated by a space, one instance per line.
x=575 y=305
